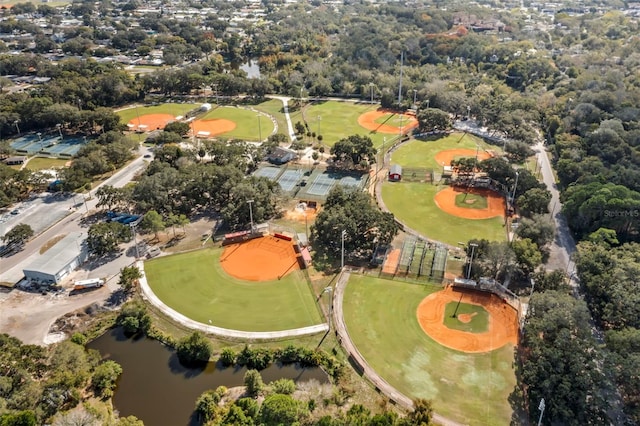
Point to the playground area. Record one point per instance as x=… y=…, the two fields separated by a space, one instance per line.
x=502 y=327
x=387 y=121
x=450 y=199
x=261 y=259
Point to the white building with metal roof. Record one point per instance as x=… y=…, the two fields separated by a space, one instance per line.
x=59 y=261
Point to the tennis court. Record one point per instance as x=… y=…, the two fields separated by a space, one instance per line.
x=270 y=173
x=351 y=181
x=67 y=147
x=289 y=179
x=321 y=185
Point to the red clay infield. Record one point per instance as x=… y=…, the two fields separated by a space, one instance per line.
x=503 y=321
x=368 y=121
x=151 y=121
x=445 y=157
x=446 y=201
x=216 y=126
x=262 y=259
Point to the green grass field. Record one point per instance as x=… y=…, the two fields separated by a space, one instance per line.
x=470 y=388
x=274 y=108
x=471 y=201
x=195 y=285
x=417 y=153
x=44 y=163
x=337 y=120
x=129 y=114
x=479 y=321
x=412 y=203
x=247 y=125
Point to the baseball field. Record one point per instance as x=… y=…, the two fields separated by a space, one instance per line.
x=382 y=318
x=197 y=285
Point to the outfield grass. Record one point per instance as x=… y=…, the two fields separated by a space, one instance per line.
x=418 y=153
x=338 y=120
x=44 y=163
x=479 y=321
x=471 y=201
x=470 y=388
x=412 y=203
x=174 y=109
x=247 y=126
x=195 y=285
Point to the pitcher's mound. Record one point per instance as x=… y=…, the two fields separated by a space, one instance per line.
x=262 y=259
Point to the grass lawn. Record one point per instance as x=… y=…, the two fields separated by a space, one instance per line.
x=471 y=201
x=174 y=109
x=412 y=203
x=44 y=163
x=247 y=126
x=274 y=108
x=479 y=320
x=195 y=285
x=417 y=153
x=337 y=120
x=470 y=388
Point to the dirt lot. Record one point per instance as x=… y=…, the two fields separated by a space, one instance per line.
x=30 y=316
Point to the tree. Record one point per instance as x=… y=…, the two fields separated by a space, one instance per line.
x=534 y=201
x=365 y=226
x=152 y=222
x=354 y=151
x=433 y=120
x=422 y=412
x=104 y=238
x=133 y=318
x=207 y=406
x=194 y=349
x=18 y=235
x=278 y=409
x=253 y=382
x=129 y=421
x=527 y=254
x=129 y=275
x=283 y=386
x=104 y=378
x=179 y=127
x=174 y=220
x=22 y=418
x=538 y=229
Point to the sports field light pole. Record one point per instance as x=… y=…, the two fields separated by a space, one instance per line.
x=135 y=240
x=473 y=249
x=329 y=290
x=541 y=408
x=342 y=235
x=415 y=93
x=259 y=128
x=250 y=202
x=17 y=127
x=59 y=126
x=318 y=118
x=515 y=186
x=371 y=89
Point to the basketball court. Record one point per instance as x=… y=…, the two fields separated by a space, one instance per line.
x=502 y=321
x=261 y=259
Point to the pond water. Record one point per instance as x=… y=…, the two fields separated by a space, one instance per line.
x=251 y=68
x=158 y=390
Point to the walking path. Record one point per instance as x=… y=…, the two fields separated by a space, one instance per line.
x=149 y=295
x=344 y=339
x=285 y=105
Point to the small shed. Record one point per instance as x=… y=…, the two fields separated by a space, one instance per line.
x=395 y=173
x=281 y=156
x=14 y=161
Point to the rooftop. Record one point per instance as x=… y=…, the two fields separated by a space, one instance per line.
x=58 y=256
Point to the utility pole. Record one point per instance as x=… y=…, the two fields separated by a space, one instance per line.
x=400 y=85
x=514 y=188
x=259 y=128
x=329 y=290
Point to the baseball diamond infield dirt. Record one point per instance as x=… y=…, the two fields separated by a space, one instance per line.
x=446 y=201
x=503 y=321
x=262 y=259
x=368 y=121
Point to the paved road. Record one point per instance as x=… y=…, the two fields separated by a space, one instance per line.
x=285 y=105
x=11 y=267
